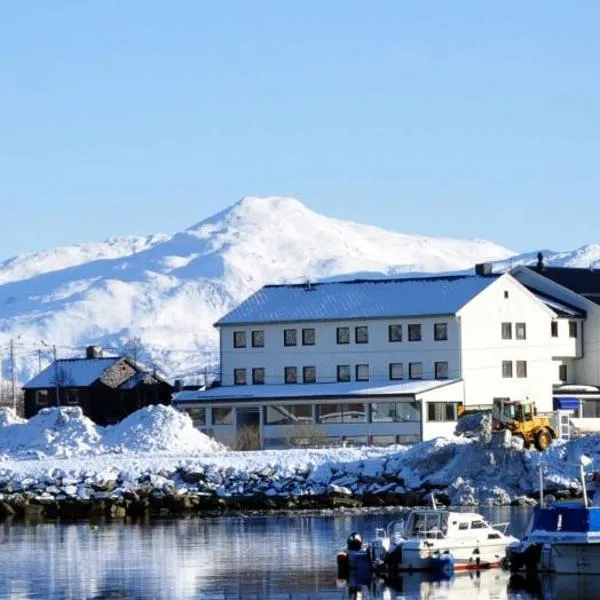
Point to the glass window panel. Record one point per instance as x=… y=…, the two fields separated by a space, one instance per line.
x=239 y=376
x=396 y=371
x=440 y=332
x=383 y=412
x=414 y=332
x=441 y=370
x=258 y=375
x=291 y=375
x=309 y=374
x=293 y=414
x=521 y=331
x=222 y=416
x=343 y=372
x=507 y=368
x=362 y=372
x=415 y=370
x=354 y=412
x=308 y=337
x=239 y=339
x=289 y=337
x=343 y=335
x=573 y=329
x=507 y=331
x=361 y=334
x=329 y=413
x=408 y=411
x=395 y=333
x=258 y=338
x=521 y=368
x=198 y=416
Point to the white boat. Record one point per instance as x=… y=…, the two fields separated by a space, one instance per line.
x=432 y=539
x=430 y=534
x=563 y=537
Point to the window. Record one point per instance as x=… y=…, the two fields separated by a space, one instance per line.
x=309 y=374
x=399 y=412
x=395 y=333
x=351 y=412
x=521 y=368
x=308 y=336
x=258 y=339
x=239 y=376
x=414 y=332
x=291 y=374
x=362 y=372
x=507 y=331
x=41 y=397
x=554 y=328
x=289 y=337
x=521 y=331
x=442 y=411
x=239 y=339
x=506 y=368
x=396 y=371
x=71 y=396
x=506 y=293
x=562 y=372
x=343 y=335
x=440 y=332
x=573 y=329
x=441 y=370
x=415 y=370
x=258 y=375
x=198 y=416
x=383 y=412
x=291 y=414
x=361 y=334
x=343 y=372
x=222 y=416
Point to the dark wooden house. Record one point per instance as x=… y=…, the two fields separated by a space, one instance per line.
x=106 y=388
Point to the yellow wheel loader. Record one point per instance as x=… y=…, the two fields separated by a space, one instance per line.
x=519 y=417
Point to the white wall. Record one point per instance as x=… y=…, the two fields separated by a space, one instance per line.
x=326 y=354
x=587 y=367
x=448 y=393
x=484 y=349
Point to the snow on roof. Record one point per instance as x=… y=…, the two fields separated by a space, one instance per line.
x=350 y=389
x=558 y=306
x=73 y=372
x=359 y=298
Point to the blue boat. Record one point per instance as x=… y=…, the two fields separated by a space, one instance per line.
x=562 y=538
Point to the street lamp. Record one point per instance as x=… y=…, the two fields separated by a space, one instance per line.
x=55 y=372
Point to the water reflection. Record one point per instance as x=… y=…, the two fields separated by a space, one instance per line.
x=269 y=558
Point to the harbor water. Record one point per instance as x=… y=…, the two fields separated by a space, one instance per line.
x=268 y=557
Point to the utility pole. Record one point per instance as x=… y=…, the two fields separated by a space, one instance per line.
x=56 y=376
x=13 y=374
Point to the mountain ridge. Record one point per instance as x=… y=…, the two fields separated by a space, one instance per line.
x=168 y=289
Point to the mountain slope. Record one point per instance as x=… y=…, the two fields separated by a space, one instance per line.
x=170 y=289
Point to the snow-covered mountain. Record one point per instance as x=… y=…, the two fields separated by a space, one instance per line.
x=168 y=290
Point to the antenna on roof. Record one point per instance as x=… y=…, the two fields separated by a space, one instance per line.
x=309 y=287
x=540 y=263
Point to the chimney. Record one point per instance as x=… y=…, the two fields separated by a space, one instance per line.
x=178 y=385
x=94 y=352
x=540 y=263
x=483 y=269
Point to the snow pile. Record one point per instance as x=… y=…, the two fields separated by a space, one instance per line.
x=476 y=425
x=62 y=432
x=158 y=429
x=9 y=417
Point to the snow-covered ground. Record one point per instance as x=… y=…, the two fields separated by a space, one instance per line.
x=60 y=454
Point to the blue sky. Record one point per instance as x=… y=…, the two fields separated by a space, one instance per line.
x=463 y=119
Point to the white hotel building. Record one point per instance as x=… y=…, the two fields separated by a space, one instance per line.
x=385 y=361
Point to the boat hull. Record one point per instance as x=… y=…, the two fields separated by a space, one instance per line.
x=563 y=559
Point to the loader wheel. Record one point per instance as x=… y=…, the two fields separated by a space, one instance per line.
x=543 y=439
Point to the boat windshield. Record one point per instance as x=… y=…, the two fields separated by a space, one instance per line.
x=427 y=524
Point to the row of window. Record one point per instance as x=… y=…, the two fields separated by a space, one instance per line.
x=343 y=373
x=343 y=412
x=361 y=335
x=521 y=330
x=507 y=368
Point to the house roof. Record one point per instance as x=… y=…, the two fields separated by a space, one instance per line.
x=358 y=299
x=561 y=308
x=585 y=282
x=73 y=372
x=350 y=389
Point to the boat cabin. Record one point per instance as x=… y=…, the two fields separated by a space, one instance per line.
x=431 y=523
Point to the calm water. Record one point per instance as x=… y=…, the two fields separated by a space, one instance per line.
x=229 y=558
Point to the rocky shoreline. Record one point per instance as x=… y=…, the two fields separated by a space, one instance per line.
x=212 y=490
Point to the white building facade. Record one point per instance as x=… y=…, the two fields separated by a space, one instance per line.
x=382 y=361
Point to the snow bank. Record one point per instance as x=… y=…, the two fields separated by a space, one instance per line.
x=158 y=429
x=66 y=432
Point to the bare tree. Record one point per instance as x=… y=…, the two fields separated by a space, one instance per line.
x=248 y=438
x=305 y=435
x=134 y=349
